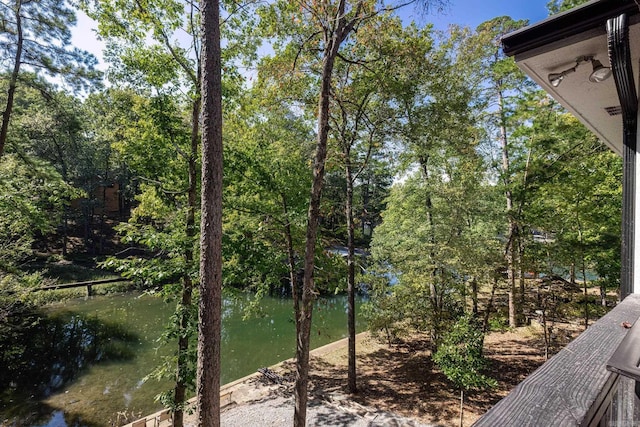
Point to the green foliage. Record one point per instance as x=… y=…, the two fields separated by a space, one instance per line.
x=411 y=304
x=167 y=367
x=64 y=132
x=55 y=129
x=498 y=323
x=557 y=6
x=414 y=106
x=46 y=49
x=32 y=195
x=139 y=41
x=460 y=356
x=383 y=312
x=575 y=195
x=267 y=179
x=145 y=51
x=159 y=227
x=154 y=139
x=440 y=226
x=435 y=248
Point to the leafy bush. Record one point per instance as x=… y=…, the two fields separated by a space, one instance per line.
x=460 y=355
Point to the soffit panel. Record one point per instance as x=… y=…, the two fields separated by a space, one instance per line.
x=594 y=104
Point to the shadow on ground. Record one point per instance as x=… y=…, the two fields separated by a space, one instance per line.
x=403 y=379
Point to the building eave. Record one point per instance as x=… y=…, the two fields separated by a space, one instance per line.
x=586 y=19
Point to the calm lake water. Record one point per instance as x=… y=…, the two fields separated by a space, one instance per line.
x=94 y=355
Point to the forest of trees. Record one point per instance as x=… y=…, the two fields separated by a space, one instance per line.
x=343 y=126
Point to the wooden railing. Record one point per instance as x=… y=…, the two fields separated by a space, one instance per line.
x=574 y=387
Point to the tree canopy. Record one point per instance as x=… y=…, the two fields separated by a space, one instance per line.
x=446 y=174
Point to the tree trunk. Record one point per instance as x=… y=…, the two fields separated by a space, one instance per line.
x=510 y=250
x=291 y=260
x=308 y=286
x=180 y=389
x=487 y=311
x=13 y=80
x=65 y=229
x=586 y=298
x=187 y=284
x=474 y=296
x=434 y=298
x=351 y=314
x=512 y=280
x=546 y=332
x=583 y=268
x=334 y=35
x=522 y=284
x=572 y=273
x=365 y=206
x=209 y=323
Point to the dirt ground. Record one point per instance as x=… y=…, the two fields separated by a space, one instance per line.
x=403 y=379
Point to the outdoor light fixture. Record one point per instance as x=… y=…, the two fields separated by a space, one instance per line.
x=599 y=74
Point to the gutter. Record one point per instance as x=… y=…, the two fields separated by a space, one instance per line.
x=589 y=17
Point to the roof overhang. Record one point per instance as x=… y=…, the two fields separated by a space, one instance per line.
x=553 y=45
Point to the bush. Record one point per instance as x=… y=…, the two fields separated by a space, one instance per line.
x=460 y=355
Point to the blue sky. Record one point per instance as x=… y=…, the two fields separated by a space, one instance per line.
x=462 y=12
x=473 y=12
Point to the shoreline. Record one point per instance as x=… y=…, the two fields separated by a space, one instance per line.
x=240 y=391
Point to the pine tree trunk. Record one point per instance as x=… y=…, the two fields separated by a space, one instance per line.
x=209 y=322
x=13 y=80
x=351 y=314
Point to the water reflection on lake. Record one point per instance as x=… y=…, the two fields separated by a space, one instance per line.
x=90 y=357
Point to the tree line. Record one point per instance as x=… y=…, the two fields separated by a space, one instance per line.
x=430 y=149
